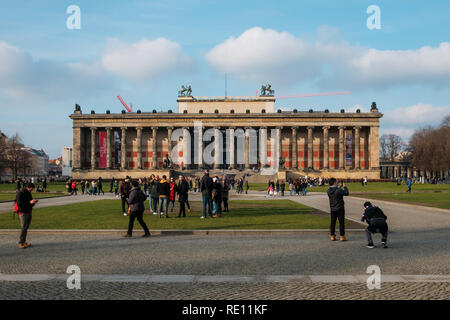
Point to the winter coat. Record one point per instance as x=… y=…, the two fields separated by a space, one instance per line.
x=336 y=196
x=136 y=200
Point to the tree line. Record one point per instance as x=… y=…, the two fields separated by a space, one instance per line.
x=428 y=148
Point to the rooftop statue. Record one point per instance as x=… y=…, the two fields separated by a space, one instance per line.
x=185 y=91
x=267 y=91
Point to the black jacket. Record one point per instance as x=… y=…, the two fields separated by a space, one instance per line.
x=163 y=188
x=182 y=190
x=336 y=196
x=23 y=199
x=136 y=200
x=206 y=185
x=373 y=214
x=217 y=191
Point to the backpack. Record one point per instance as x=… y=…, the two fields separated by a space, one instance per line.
x=16 y=207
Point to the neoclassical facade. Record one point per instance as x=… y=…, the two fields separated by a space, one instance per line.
x=226 y=133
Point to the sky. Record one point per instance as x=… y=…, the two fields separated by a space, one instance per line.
x=145 y=51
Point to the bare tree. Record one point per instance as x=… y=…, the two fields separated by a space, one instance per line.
x=390 y=146
x=17 y=159
x=3 y=165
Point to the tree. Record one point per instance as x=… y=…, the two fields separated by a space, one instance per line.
x=16 y=159
x=3 y=140
x=390 y=146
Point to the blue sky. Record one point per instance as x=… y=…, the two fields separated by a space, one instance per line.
x=144 y=50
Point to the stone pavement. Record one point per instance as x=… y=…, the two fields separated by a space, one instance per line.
x=418 y=243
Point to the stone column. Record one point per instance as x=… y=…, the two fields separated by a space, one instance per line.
x=123 y=148
x=294 y=148
x=310 y=147
x=374 y=148
x=76 y=151
x=186 y=148
x=341 y=148
x=263 y=146
x=217 y=151
x=279 y=140
x=108 y=148
x=325 y=147
x=231 y=147
x=357 y=145
x=139 y=148
x=200 y=147
x=154 y=146
x=169 y=142
x=247 y=148
x=93 y=149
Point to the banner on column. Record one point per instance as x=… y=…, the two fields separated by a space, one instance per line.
x=102 y=148
x=348 y=147
x=117 y=149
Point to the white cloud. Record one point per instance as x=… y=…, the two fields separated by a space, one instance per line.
x=144 y=60
x=280 y=57
x=418 y=114
x=264 y=55
x=22 y=77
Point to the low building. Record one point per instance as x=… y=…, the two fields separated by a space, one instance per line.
x=67 y=161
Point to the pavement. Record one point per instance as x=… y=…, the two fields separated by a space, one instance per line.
x=262 y=266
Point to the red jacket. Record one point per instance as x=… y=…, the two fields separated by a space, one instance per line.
x=172 y=191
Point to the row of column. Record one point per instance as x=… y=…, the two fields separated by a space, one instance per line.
x=262 y=147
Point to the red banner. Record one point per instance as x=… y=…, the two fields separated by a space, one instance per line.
x=102 y=148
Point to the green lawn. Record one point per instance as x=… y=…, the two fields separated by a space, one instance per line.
x=10 y=196
x=106 y=214
x=431 y=199
x=51 y=186
x=371 y=187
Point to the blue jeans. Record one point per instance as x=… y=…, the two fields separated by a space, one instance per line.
x=304 y=191
x=217 y=207
x=207 y=201
x=164 y=201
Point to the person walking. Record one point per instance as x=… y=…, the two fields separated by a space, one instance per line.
x=116 y=188
x=182 y=190
x=337 y=209
x=246 y=186
x=111 y=184
x=74 y=188
x=282 y=187
x=88 y=187
x=136 y=207
x=164 y=194
x=409 y=183
x=100 y=186
x=94 y=187
x=25 y=204
x=83 y=186
x=206 y=185
x=376 y=220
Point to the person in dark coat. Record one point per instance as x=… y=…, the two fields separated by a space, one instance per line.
x=216 y=196
x=225 y=193
x=182 y=190
x=164 y=194
x=136 y=207
x=376 y=220
x=337 y=210
x=25 y=204
x=206 y=186
x=124 y=192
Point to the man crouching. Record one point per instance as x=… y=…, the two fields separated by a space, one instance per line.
x=376 y=219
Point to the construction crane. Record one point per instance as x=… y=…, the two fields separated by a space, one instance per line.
x=124 y=104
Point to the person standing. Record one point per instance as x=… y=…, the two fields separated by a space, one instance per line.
x=173 y=192
x=25 y=204
x=164 y=194
x=337 y=210
x=206 y=185
x=225 y=193
x=154 y=195
x=136 y=205
x=282 y=186
x=246 y=186
x=182 y=190
x=100 y=186
x=111 y=184
x=88 y=187
x=116 y=188
x=74 y=188
x=376 y=220
x=83 y=186
x=44 y=185
x=124 y=192
x=216 y=197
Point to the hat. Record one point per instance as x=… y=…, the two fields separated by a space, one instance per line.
x=367 y=204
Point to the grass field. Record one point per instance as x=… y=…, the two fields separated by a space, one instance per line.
x=430 y=199
x=372 y=187
x=51 y=186
x=106 y=214
x=10 y=196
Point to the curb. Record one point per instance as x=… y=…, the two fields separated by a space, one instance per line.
x=186 y=232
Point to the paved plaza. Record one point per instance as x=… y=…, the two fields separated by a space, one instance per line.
x=260 y=266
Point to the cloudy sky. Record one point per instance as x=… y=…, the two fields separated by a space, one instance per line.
x=145 y=50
